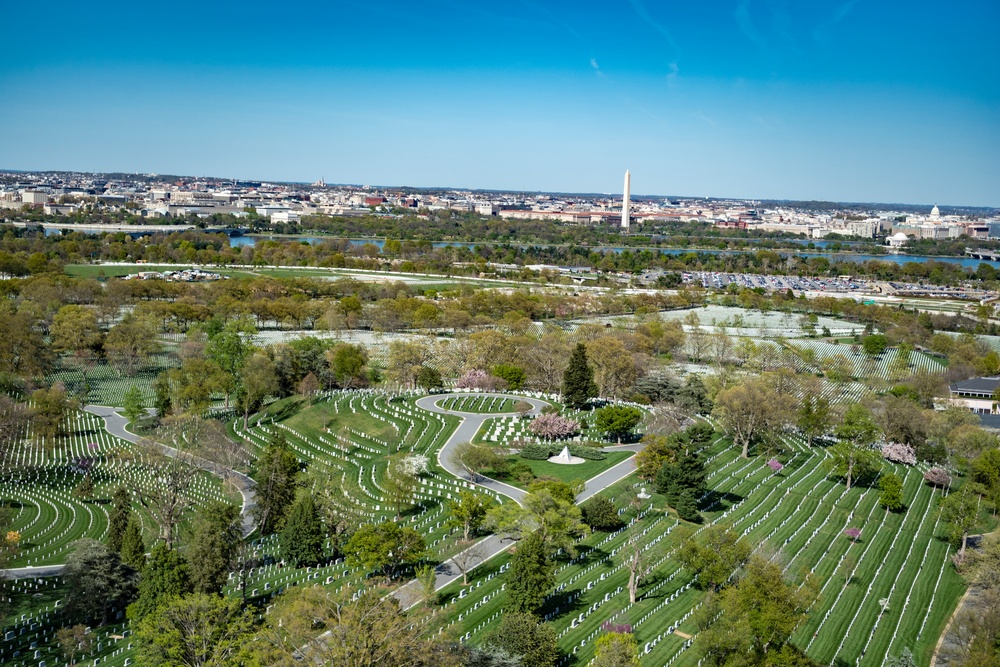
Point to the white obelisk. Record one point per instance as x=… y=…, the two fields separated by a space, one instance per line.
x=625 y=202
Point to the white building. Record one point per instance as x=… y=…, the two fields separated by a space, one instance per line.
x=897 y=240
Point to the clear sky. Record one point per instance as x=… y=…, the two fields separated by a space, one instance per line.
x=850 y=100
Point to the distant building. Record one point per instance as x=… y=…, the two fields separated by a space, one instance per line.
x=34 y=197
x=976 y=394
x=897 y=240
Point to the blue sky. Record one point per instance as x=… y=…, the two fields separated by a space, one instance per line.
x=856 y=100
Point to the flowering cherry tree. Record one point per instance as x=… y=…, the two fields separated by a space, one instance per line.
x=553 y=426
x=775 y=465
x=938 y=477
x=480 y=379
x=853 y=534
x=413 y=465
x=897 y=452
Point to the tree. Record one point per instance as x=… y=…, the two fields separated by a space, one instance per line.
x=513 y=375
x=552 y=426
x=168 y=499
x=714 y=555
x=852 y=461
x=130 y=343
x=73 y=641
x=470 y=554
x=578 y=380
x=755 y=618
x=277 y=473
x=165 y=576
x=75 y=331
x=429 y=378
x=524 y=636
x=600 y=514
x=813 y=417
x=467 y=512
x=905 y=659
x=386 y=546
x=85 y=489
x=49 y=409
x=133 y=405
x=302 y=537
x=316 y=626
x=258 y=379
x=874 y=345
x=476 y=457
x=118 y=518
x=14 y=420
x=616 y=649
x=398 y=482
x=960 y=511
x=530 y=576
x=228 y=349
x=615 y=369
x=195 y=631
x=547 y=511
x=617 y=420
x=214 y=546
x=348 y=362
x=857 y=426
x=637 y=559
x=687 y=507
x=133 y=549
x=750 y=411
x=97 y=582
x=891 y=487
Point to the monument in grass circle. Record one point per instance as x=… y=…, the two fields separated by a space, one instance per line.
x=565 y=458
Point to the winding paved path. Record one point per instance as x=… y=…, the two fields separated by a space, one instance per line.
x=115 y=424
x=488 y=547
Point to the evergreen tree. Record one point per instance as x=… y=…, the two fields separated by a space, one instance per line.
x=687 y=506
x=301 y=539
x=133 y=550
x=277 y=472
x=165 y=576
x=667 y=482
x=692 y=473
x=578 y=380
x=85 y=489
x=213 y=547
x=121 y=510
x=530 y=576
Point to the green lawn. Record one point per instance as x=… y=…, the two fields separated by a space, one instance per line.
x=568 y=473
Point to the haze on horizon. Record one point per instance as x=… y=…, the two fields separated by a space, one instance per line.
x=843 y=101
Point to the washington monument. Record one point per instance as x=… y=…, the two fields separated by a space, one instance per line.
x=625 y=203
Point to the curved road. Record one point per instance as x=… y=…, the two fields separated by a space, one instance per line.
x=115 y=425
x=466 y=431
x=488 y=547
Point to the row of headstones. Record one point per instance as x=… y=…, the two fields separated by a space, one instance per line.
x=881 y=565
x=836 y=600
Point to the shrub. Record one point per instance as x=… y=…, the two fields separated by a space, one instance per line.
x=536 y=452
x=897 y=452
x=522 y=472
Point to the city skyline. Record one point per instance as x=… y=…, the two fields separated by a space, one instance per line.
x=849 y=102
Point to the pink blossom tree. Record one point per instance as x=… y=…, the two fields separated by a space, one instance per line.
x=480 y=379
x=552 y=426
x=938 y=477
x=897 y=452
x=775 y=465
x=853 y=534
